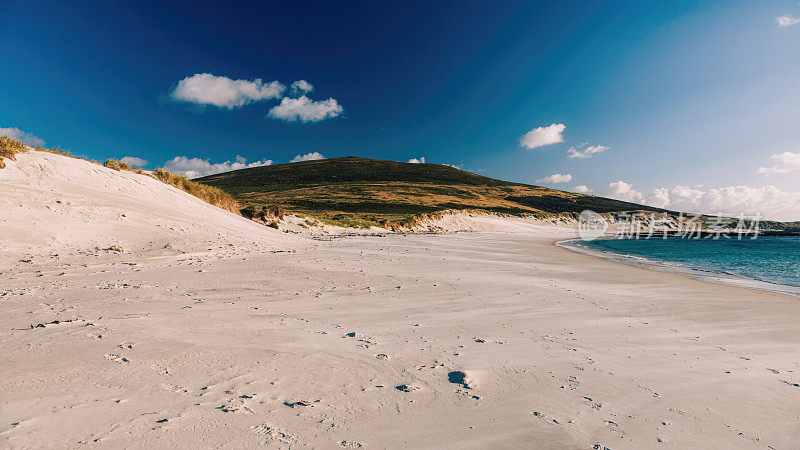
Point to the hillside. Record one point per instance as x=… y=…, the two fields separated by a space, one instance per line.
x=361 y=191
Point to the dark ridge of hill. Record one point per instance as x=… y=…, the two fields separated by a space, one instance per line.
x=346 y=170
x=560 y=204
x=362 y=191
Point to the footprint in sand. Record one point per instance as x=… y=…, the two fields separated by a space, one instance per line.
x=406 y=388
x=274 y=436
x=177 y=389
x=466 y=394
x=298 y=403
x=227 y=408
x=592 y=403
x=117 y=358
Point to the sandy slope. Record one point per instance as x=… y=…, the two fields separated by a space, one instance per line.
x=242 y=346
x=55 y=204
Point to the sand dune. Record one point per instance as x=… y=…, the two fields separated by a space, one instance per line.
x=55 y=204
x=240 y=336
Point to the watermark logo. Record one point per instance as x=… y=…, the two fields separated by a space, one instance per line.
x=591 y=225
x=639 y=225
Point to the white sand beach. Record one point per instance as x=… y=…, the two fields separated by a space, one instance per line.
x=208 y=330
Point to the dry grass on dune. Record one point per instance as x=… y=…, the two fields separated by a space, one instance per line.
x=212 y=195
x=117 y=165
x=60 y=151
x=208 y=194
x=9 y=148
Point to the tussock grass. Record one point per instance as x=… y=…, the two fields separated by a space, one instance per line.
x=117 y=165
x=347 y=221
x=9 y=149
x=263 y=212
x=208 y=194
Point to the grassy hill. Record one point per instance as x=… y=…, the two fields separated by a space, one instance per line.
x=361 y=191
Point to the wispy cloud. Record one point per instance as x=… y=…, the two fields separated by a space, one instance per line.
x=420 y=160
x=787 y=20
x=196 y=167
x=542 y=136
x=223 y=92
x=19 y=135
x=133 y=161
x=556 y=178
x=314 y=156
x=584 y=152
x=301 y=87
x=787 y=162
x=305 y=110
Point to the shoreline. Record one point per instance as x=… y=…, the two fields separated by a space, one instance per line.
x=706 y=276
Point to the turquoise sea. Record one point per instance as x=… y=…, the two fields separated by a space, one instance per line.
x=770 y=262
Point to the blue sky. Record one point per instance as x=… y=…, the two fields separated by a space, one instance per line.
x=688 y=100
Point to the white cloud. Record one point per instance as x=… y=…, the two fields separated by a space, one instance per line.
x=539 y=137
x=133 y=161
x=621 y=190
x=223 y=92
x=208 y=89
x=582 y=189
x=659 y=198
x=305 y=110
x=768 y=200
x=196 y=167
x=308 y=157
x=19 y=135
x=787 y=20
x=302 y=87
x=556 y=178
x=417 y=161
x=787 y=162
x=587 y=152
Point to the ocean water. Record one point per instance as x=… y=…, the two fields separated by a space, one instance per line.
x=767 y=259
